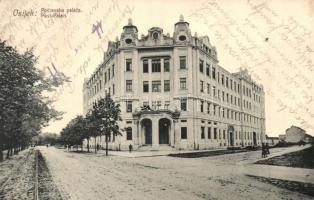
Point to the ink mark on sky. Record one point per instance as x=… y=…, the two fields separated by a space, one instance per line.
x=58 y=78
x=97 y=27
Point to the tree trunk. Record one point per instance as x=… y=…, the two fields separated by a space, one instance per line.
x=1 y=152
x=16 y=151
x=95 y=146
x=8 y=153
x=82 y=146
x=11 y=151
x=88 y=145
x=106 y=144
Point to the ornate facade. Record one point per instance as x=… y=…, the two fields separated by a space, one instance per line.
x=173 y=92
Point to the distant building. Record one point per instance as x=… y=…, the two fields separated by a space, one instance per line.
x=282 y=137
x=308 y=138
x=294 y=134
x=272 y=140
x=174 y=93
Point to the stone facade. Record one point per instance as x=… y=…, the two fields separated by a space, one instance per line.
x=173 y=92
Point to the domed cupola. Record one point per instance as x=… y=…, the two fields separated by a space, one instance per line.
x=182 y=32
x=129 y=35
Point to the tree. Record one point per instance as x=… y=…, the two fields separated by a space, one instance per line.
x=106 y=114
x=74 y=133
x=24 y=110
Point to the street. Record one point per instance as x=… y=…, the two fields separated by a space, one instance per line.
x=89 y=176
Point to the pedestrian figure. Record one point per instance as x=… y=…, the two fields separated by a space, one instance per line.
x=267 y=149
x=130 y=148
x=263 y=150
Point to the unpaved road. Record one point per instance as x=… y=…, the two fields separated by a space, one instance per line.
x=96 y=177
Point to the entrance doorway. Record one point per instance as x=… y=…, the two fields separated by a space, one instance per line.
x=147 y=128
x=164 y=130
x=254 y=139
x=231 y=138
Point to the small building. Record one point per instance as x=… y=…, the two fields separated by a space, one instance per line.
x=294 y=134
x=308 y=138
x=272 y=141
x=282 y=137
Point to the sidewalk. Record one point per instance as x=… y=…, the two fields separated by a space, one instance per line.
x=282 y=172
x=135 y=154
x=279 y=172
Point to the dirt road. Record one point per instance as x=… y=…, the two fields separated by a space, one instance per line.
x=89 y=176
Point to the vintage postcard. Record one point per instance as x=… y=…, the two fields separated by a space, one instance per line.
x=143 y=99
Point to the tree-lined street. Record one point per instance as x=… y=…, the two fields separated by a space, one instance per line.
x=94 y=176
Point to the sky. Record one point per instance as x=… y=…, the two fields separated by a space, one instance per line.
x=273 y=39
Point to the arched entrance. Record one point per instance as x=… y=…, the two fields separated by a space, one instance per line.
x=164 y=130
x=146 y=126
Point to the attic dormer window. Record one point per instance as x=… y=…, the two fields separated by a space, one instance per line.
x=155 y=35
x=128 y=41
x=182 y=37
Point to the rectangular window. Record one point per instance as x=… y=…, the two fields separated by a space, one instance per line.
x=201 y=66
x=145 y=86
x=208 y=88
x=129 y=85
x=222 y=79
x=158 y=105
x=215 y=109
x=166 y=85
x=145 y=66
x=218 y=77
x=214 y=91
x=156 y=65
x=129 y=133
x=214 y=72
x=202 y=132
x=183 y=104
x=202 y=106
x=167 y=103
x=184 y=133
x=128 y=106
x=128 y=65
x=105 y=77
x=156 y=86
x=202 y=86
x=215 y=133
x=207 y=70
x=113 y=89
x=182 y=83
x=182 y=62
x=208 y=108
x=209 y=134
x=109 y=74
x=112 y=70
x=166 y=65
x=227 y=82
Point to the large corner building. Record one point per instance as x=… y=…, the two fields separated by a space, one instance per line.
x=173 y=92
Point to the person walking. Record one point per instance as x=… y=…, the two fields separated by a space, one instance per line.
x=263 y=151
x=130 y=148
x=267 y=149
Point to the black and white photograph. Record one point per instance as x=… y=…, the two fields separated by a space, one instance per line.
x=156 y=99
